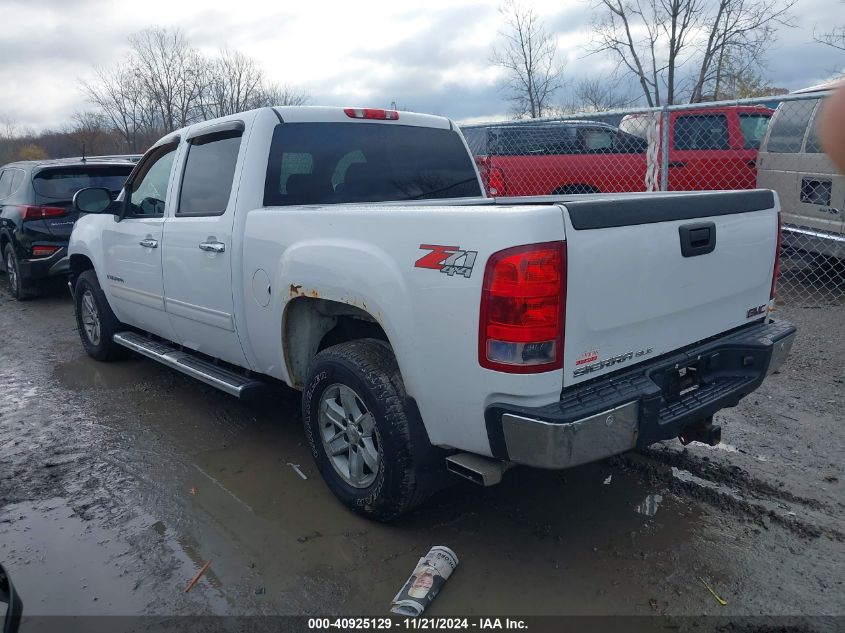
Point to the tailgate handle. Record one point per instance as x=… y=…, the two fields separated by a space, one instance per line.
x=697 y=239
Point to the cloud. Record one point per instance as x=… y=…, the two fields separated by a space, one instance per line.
x=431 y=56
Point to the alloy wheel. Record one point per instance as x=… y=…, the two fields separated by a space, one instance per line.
x=349 y=435
x=90 y=317
x=11 y=270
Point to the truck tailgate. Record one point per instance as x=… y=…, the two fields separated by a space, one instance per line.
x=649 y=275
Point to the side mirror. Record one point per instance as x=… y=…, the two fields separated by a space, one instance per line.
x=14 y=606
x=92 y=200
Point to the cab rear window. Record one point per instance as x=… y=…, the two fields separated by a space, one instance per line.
x=60 y=183
x=326 y=163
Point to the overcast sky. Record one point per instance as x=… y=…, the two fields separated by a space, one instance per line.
x=431 y=55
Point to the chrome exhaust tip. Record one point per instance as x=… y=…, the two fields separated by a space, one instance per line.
x=483 y=471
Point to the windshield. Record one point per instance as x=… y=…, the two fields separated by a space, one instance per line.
x=325 y=163
x=60 y=183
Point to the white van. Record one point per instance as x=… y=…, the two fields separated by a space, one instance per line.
x=811 y=190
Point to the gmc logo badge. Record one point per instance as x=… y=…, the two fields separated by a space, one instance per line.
x=753 y=312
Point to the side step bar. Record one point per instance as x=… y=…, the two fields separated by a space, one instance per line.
x=224 y=379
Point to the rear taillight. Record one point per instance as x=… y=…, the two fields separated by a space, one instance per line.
x=495 y=181
x=33 y=212
x=523 y=305
x=776 y=270
x=44 y=251
x=372 y=113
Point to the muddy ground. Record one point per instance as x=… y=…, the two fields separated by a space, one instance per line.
x=119 y=481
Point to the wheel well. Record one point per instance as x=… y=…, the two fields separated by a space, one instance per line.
x=78 y=265
x=574 y=189
x=311 y=325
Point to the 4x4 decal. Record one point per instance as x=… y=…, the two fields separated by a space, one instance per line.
x=447 y=259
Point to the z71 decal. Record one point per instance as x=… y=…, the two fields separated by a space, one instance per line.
x=447 y=259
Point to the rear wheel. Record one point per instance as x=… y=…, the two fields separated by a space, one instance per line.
x=16 y=285
x=353 y=409
x=95 y=320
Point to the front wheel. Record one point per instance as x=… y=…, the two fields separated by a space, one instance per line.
x=95 y=320
x=353 y=409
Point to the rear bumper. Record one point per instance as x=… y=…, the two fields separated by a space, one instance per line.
x=56 y=264
x=637 y=407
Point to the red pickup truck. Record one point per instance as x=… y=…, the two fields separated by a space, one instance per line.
x=710 y=149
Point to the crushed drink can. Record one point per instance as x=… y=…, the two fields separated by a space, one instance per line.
x=429 y=576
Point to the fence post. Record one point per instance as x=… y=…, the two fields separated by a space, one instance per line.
x=664 y=155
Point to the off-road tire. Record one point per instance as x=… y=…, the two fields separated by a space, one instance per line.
x=369 y=368
x=17 y=288
x=105 y=349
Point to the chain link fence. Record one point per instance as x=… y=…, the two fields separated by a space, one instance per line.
x=769 y=143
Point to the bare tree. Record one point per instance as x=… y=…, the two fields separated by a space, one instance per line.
x=282 y=95
x=8 y=128
x=646 y=37
x=655 y=40
x=596 y=94
x=235 y=83
x=90 y=131
x=172 y=74
x=164 y=84
x=740 y=33
x=741 y=83
x=528 y=54
x=118 y=93
x=834 y=37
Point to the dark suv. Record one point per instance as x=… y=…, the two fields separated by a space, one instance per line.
x=36 y=213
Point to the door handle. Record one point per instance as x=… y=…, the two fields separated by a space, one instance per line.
x=677 y=163
x=213 y=247
x=149 y=243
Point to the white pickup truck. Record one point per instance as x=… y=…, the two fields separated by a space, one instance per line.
x=351 y=254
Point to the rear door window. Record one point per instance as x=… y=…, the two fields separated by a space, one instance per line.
x=209 y=173
x=789 y=126
x=60 y=183
x=5 y=183
x=545 y=140
x=17 y=179
x=753 y=128
x=324 y=163
x=597 y=140
x=814 y=146
x=701 y=132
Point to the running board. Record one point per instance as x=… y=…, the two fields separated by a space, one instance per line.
x=224 y=379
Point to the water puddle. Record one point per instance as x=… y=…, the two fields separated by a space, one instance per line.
x=63 y=565
x=85 y=373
